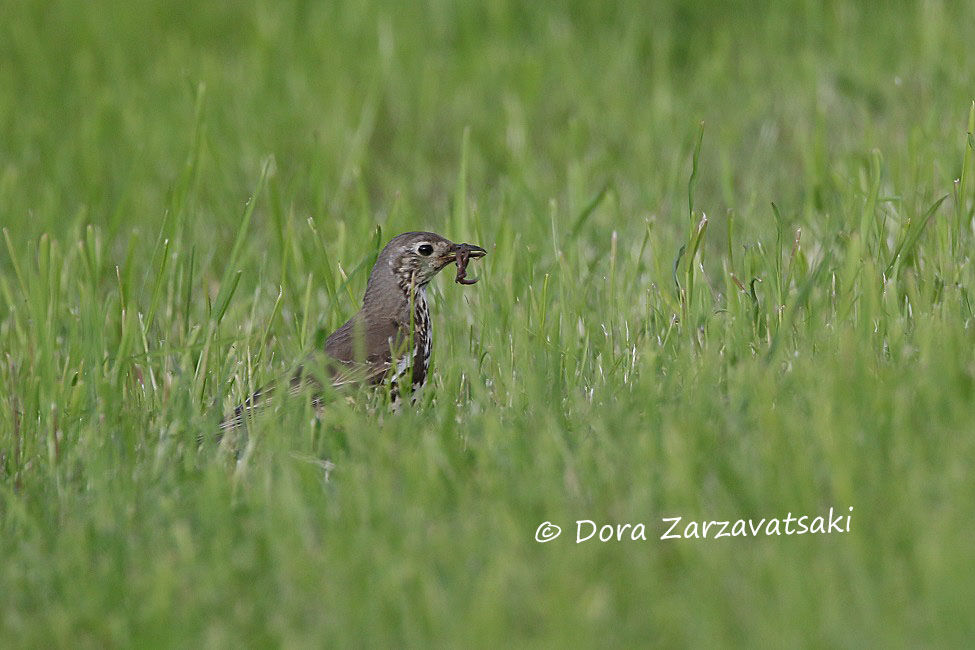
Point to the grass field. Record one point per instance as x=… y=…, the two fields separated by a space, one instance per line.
x=729 y=277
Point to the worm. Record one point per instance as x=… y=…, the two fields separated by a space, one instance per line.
x=461 y=257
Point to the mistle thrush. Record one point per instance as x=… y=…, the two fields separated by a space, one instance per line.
x=392 y=332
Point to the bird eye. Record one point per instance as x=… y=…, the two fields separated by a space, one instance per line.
x=425 y=249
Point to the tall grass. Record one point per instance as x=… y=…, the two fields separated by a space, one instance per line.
x=729 y=276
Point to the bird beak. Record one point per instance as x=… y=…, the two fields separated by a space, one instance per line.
x=472 y=250
x=461 y=254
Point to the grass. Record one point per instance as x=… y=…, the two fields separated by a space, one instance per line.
x=766 y=314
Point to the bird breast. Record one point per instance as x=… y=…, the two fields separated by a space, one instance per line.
x=422 y=339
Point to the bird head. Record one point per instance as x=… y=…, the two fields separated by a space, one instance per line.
x=414 y=258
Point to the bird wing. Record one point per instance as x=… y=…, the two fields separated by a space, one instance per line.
x=366 y=346
x=360 y=351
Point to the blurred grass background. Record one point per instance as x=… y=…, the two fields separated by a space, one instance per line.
x=190 y=195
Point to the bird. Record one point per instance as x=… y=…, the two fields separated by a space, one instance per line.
x=392 y=333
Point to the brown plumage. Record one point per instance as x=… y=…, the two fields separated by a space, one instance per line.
x=392 y=332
